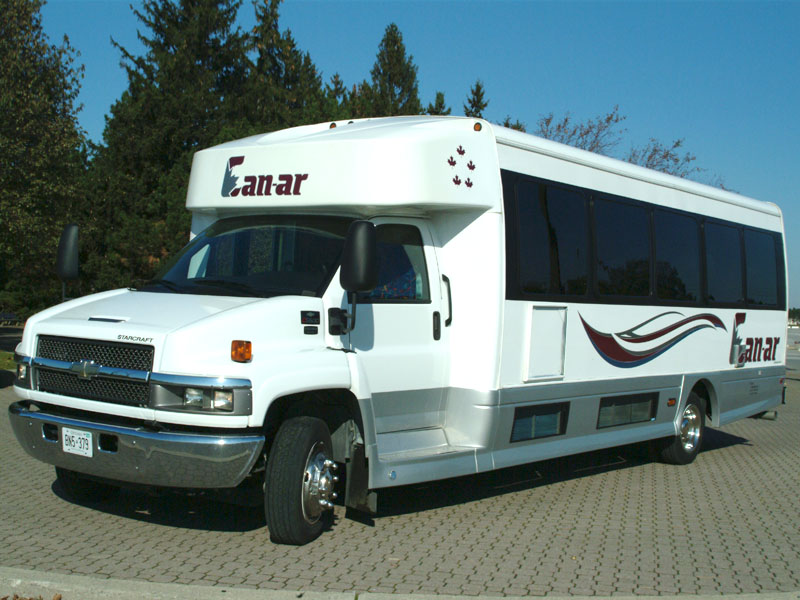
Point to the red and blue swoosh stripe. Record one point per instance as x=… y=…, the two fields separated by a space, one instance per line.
x=614 y=353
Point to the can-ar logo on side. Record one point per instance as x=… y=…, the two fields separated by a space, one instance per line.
x=261 y=184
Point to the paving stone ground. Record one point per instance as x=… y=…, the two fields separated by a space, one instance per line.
x=607 y=523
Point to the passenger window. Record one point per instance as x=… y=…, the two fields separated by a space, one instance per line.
x=623 y=248
x=762 y=268
x=553 y=239
x=723 y=264
x=677 y=256
x=402 y=273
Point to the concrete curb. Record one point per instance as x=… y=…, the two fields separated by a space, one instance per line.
x=28 y=583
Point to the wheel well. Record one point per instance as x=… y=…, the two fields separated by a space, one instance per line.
x=337 y=408
x=703 y=389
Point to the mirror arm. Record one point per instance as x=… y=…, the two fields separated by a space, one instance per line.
x=350 y=317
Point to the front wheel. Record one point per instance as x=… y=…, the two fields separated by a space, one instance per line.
x=684 y=447
x=299 y=482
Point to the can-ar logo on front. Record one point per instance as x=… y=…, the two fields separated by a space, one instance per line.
x=260 y=184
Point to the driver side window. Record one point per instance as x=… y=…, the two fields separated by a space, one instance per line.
x=402 y=273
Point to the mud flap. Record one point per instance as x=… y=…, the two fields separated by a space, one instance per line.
x=357 y=494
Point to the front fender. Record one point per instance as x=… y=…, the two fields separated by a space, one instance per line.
x=297 y=372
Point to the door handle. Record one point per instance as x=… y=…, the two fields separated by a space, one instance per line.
x=437 y=325
x=449 y=319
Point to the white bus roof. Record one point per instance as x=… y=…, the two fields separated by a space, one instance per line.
x=406 y=164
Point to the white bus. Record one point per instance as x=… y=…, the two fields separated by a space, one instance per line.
x=406 y=300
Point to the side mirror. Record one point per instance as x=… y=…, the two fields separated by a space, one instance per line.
x=67 y=258
x=359 y=273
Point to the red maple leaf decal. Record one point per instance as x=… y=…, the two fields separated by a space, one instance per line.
x=471 y=166
x=468 y=182
x=451 y=161
x=456 y=180
x=460 y=150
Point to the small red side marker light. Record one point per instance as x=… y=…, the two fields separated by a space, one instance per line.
x=672 y=402
x=241 y=351
x=477 y=127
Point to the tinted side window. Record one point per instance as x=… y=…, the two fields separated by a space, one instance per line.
x=402 y=274
x=677 y=256
x=553 y=240
x=623 y=248
x=761 y=267
x=723 y=263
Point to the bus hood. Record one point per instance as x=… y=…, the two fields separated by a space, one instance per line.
x=190 y=333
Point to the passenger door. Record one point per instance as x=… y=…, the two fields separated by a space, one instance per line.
x=400 y=333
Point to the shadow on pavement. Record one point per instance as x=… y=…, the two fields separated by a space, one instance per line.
x=209 y=511
x=176 y=509
x=461 y=490
x=6 y=378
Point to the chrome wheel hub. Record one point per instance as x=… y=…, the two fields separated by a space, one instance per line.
x=318 y=483
x=691 y=423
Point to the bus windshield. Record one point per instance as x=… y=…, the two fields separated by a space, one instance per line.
x=261 y=256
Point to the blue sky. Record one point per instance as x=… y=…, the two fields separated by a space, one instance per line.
x=723 y=75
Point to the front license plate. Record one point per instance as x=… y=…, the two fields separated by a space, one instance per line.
x=75 y=441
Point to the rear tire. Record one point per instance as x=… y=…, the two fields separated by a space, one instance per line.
x=684 y=447
x=83 y=489
x=299 y=481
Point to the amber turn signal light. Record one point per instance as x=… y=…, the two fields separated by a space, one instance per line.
x=241 y=351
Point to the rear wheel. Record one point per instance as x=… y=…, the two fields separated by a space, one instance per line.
x=684 y=447
x=299 y=482
x=83 y=489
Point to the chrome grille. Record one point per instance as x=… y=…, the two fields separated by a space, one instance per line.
x=132 y=393
x=108 y=354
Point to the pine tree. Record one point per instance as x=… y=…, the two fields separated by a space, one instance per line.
x=476 y=103
x=43 y=154
x=335 y=107
x=285 y=88
x=394 y=78
x=438 y=107
x=185 y=93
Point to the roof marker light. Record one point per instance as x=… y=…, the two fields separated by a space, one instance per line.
x=477 y=127
x=333 y=125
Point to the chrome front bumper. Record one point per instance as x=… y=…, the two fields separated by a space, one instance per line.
x=137 y=455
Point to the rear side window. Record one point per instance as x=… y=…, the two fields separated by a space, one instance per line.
x=623 y=248
x=402 y=273
x=677 y=257
x=761 y=264
x=723 y=264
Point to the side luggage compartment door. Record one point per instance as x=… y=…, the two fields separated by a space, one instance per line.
x=400 y=335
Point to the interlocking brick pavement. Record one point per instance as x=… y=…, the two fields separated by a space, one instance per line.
x=610 y=523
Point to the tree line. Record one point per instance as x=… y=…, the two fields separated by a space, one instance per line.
x=200 y=81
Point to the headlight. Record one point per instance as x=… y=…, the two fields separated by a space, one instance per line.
x=223 y=400
x=23 y=378
x=193 y=398
x=207 y=399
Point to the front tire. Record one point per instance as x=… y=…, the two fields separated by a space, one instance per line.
x=685 y=446
x=299 y=482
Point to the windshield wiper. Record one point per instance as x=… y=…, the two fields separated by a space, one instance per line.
x=170 y=285
x=227 y=284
